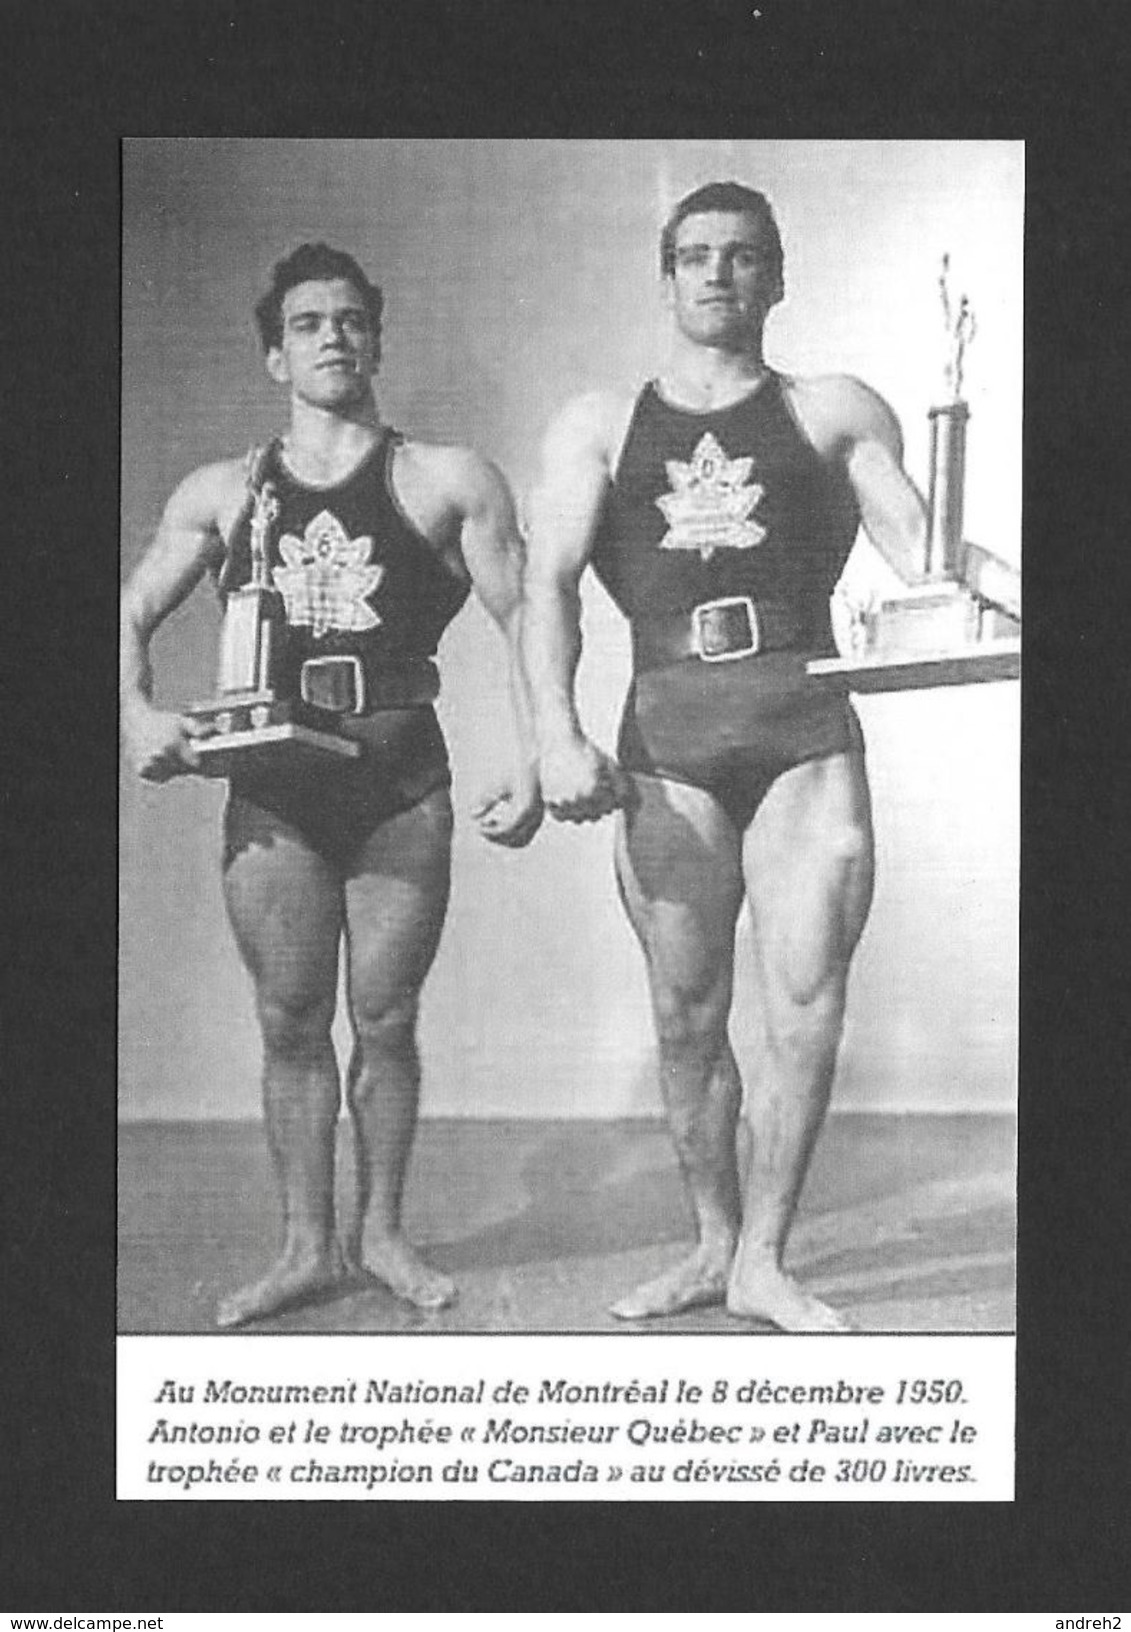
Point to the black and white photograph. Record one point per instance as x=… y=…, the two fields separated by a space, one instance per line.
x=571 y=634
x=615 y=949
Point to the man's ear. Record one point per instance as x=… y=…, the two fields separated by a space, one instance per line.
x=277 y=365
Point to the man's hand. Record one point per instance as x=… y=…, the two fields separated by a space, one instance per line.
x=510 y=812
x=580 y=783
x=159 y=745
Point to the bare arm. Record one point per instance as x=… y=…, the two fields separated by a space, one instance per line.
x=894 y=516
x=187 y=542
x=578 y=782
x=848 y=421
x=493 y=554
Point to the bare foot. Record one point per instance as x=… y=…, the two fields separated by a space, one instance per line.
x=759 y=1290
x=400 y=1268
x=693 y=1282
x=296 y=1278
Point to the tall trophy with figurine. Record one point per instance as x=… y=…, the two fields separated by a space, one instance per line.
x=963 y=621
x=256 y=718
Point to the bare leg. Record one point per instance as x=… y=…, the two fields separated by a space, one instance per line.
x=396 y=898
x=680 y=881
x=285 y=907
x=808 y=865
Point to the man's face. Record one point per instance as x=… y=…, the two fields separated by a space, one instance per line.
x=724 y=283
x=328 y=351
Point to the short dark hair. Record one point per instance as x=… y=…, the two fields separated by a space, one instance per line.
x=313 y=263
x=722 y=197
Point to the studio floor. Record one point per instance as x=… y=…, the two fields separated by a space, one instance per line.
x=906 y=1224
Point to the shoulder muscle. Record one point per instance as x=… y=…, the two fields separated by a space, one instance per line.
x=840 y=412
x=201 y=502
x=461 y=479
x=589 y=430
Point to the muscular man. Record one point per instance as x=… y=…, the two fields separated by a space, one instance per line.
x=718 y=508
x=375 y=544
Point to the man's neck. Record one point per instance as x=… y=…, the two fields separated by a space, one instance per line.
x=700 y=376
x=324 y=444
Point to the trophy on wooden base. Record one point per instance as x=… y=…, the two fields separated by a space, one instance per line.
x=254 y=718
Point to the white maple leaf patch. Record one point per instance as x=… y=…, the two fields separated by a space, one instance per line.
x=709 y=505
x=327 y=576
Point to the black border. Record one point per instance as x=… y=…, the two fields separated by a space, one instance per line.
x=78 y=78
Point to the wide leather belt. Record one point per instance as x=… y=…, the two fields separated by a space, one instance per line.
x=718 y=632
x=343 y=684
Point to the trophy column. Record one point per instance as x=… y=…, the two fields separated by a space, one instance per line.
x=945 y=551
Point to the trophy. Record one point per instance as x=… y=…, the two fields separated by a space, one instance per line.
x=963 y=621
x=939 y=614
x=255 y=720
x=948 y=445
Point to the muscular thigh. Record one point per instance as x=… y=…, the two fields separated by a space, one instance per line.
x=678 y=869
x=396 y=895
x=285 y=906
x=808 y=864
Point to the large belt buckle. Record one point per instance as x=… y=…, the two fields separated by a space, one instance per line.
x=336 y=684
x=711 y=648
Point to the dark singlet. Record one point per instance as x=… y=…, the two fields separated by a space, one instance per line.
x=715 y=506
x=358 y=579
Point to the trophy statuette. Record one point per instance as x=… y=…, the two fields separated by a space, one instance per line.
x=254 y=721
x=962 y=623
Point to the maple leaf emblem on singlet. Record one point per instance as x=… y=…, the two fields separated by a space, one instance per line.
x=326 y=577
x=709 y=506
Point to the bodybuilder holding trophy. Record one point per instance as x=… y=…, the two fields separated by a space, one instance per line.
x=342 y=551
x=718 y=508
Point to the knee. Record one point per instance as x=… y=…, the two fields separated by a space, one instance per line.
x=387 y=1028
x=293 y=1026
x=689 y=1024
x=806 y=1028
